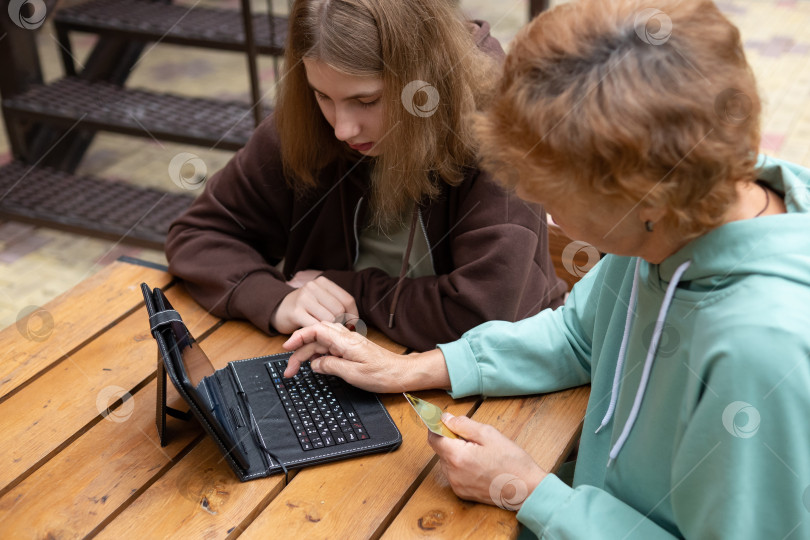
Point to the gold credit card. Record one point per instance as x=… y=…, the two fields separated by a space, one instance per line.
x=431 y=415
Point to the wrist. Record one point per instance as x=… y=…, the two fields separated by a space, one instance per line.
x=278 y=321
x=425 y=370
x=274 y=319
x=535 y=475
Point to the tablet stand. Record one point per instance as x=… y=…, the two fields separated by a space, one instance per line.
x=161 y=408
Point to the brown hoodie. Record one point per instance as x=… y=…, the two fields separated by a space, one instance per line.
x=489 y=249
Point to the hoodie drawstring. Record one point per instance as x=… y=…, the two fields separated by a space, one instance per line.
x=614 y=393
x=404 y=269
x=645 y=376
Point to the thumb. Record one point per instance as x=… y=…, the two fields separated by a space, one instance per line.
x=467 y=428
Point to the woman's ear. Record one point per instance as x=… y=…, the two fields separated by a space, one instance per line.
x=650 y=215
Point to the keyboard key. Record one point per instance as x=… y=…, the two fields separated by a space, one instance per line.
x=315 y=405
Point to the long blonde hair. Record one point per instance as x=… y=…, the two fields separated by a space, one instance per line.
x=399 y=41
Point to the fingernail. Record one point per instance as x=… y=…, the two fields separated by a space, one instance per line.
x=315 y=365
x=446 y=416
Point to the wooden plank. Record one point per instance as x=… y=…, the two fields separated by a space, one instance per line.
x=200 y=496
x=88 y=483
x=384 y=341
x=41 y=339
x=55 y=408
x=356 y=498
x=546 y=427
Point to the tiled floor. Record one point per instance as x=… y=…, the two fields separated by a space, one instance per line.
x=37 y=264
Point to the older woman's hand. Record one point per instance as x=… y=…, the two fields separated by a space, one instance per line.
x=334 y=350
x=486 y=467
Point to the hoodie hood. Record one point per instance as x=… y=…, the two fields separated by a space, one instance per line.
x=740 y=248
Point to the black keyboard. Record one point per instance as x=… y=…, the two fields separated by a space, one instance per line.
x=317 y=407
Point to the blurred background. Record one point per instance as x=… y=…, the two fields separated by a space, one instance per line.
x=39 y=263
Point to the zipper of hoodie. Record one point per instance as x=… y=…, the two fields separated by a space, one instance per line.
x=356 y=234
x=427 y=241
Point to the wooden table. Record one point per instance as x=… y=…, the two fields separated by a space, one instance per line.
x=80 y=455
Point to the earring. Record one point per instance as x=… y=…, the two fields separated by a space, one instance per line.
x=648 y=225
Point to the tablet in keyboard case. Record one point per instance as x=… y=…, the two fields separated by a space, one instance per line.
x=262 y=423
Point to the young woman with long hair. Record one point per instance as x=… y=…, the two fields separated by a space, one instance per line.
x=361 y=195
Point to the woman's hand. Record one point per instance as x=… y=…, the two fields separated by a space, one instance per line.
x=486 y=466
x=317 y=300
x=302 y=277
x=335 y=350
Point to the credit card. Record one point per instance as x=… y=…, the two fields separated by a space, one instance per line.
x=431 y=415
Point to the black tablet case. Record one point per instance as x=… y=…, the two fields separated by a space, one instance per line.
x=245 y=387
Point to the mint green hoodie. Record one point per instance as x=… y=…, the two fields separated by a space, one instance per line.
x=720 y=445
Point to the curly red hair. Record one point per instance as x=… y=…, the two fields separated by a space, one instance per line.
x=654 y=106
